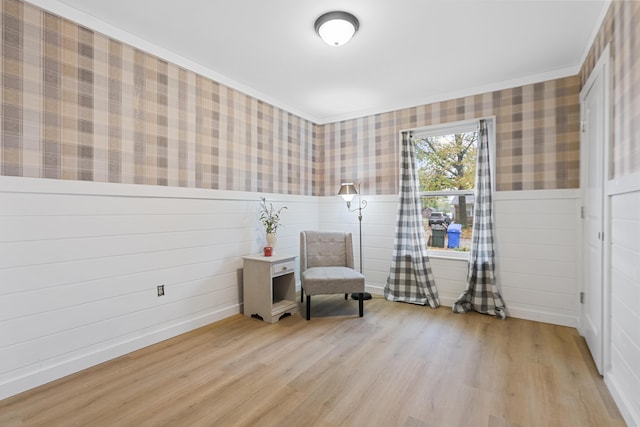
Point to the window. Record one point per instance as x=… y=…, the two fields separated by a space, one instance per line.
x=446 y=164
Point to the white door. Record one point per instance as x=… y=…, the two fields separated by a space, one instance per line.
x=593 y=152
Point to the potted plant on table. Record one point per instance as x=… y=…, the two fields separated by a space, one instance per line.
x=270 y=218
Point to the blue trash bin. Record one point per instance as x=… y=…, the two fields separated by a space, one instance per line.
x=453 y=233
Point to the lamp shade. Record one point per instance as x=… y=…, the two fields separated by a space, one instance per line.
x=336 y=28
x=347 y=191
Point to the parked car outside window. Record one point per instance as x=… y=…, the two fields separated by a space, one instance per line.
x=439 y=218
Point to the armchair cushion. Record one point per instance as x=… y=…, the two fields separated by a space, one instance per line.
x=332 y=280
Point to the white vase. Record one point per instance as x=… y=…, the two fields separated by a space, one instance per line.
x=271 y=240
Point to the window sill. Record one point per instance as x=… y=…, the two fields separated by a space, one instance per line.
x=453 y=255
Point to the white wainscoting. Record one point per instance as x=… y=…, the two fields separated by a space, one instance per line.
x=80 y=262
x=537 y=235
x=538 y=238
x=622 y=375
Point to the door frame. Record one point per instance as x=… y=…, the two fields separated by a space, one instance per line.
x=601 y=69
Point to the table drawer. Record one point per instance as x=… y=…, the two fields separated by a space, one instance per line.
x=283 y=267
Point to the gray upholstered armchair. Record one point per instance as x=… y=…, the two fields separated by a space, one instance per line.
x=326 y=266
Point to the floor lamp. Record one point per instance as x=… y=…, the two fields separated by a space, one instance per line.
x=347 y=191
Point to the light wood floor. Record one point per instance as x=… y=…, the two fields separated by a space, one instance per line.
x=399 y=365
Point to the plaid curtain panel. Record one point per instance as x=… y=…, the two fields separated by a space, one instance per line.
x=410 y=278
x=482 y=293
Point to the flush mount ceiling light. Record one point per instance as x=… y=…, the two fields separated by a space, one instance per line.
x=336 y=28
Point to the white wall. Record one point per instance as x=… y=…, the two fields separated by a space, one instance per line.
x=538 y=238
x=537 y=235
x=622 y=373
x=80 y=262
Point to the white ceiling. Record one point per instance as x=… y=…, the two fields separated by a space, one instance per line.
x=406 y=53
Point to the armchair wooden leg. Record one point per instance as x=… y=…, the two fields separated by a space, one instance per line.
x=360 y=304
x=301 y=294
x=308 y=307
x=345 y=296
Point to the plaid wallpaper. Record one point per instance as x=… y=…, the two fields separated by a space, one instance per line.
x=621 y=29
x=78 y=105
x=537 y=138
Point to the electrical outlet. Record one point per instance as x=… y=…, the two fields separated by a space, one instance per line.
x=160 y=290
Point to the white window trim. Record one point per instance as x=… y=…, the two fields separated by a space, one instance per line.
x=448 y=254
x=447 y=129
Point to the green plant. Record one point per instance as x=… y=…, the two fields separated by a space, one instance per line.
x=269 y=216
